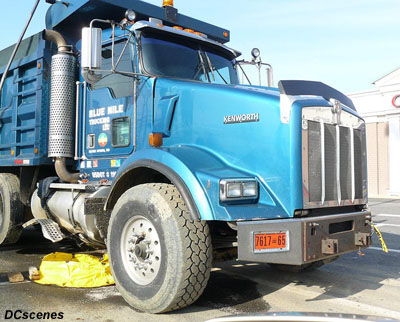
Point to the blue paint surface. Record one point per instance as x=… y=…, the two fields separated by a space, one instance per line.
x=60 y=17
x=24 y=105
x=200 y=144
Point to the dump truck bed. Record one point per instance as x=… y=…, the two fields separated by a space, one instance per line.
x=24 y=104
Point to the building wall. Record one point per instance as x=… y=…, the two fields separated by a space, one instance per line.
x=394 y=154
x=383 y=134
x=378 y=158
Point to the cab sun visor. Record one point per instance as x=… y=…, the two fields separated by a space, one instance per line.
x=295 y=88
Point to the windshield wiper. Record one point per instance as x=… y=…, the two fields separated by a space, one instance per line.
x=211 y=67
x=203 y=65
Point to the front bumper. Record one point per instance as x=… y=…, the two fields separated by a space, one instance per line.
x=309 y=239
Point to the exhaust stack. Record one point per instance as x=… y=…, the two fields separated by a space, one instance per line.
x=62 y=100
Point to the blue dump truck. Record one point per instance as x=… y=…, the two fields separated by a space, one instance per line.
x=124 y=125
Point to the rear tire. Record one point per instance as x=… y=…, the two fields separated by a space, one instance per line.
x=11 y=209
x=160 y=258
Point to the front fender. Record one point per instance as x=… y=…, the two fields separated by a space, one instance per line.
x=172 y=167
x=196 y=173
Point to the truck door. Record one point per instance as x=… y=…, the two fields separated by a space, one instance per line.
x=108 y=115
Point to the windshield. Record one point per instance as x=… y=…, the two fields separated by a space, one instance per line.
x=182 y=58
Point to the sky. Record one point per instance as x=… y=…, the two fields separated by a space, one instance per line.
x=347 y=44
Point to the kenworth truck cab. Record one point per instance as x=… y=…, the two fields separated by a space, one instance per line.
x=124 y=125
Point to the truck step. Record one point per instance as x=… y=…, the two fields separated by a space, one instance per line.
x=50 y=229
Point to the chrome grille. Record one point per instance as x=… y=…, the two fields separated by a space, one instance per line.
x=334 y=158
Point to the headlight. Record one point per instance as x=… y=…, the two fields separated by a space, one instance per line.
x=250 y=189
x=233 y=190
x=238 y=189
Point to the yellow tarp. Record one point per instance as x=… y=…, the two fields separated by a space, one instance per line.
x=80 y=270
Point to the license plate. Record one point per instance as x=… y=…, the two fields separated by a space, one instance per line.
x=271 y=242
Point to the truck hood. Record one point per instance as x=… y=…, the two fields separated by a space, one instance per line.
x=241 y=127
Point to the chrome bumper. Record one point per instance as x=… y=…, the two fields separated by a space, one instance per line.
x=309 y=239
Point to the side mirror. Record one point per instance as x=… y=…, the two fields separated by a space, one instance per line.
x=91 y=48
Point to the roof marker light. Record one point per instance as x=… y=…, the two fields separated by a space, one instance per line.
x=168 y=3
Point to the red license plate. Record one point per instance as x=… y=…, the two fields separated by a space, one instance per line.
x=270 y=241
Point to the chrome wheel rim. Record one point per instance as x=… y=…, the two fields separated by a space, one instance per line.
x=141 y=250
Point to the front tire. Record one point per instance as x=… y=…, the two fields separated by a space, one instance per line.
x=160 y=258
x=11 y=209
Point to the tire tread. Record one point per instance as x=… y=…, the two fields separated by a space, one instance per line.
x=198 y=247
x=11 y=182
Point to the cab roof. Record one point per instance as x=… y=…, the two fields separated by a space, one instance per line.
x=146 y=25
x=69 y=20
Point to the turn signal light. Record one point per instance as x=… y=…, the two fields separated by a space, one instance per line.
x=155 y=139
x=168 y=3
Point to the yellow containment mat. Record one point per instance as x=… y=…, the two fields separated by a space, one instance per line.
x=80 y=270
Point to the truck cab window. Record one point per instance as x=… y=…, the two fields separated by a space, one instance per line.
x=121 y=132
x=119 y=85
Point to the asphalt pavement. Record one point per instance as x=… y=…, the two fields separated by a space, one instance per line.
x=367 y=283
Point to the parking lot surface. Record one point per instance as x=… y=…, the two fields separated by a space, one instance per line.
x=366 y=283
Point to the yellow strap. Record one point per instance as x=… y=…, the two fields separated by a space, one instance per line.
x=378 y=233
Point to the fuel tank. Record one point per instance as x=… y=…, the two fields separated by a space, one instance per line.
x=67 y=208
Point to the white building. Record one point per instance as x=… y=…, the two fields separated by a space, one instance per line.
x=380 y=107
